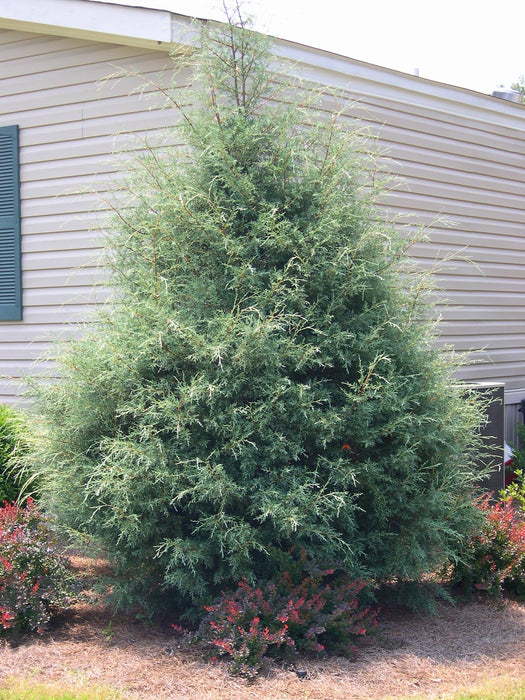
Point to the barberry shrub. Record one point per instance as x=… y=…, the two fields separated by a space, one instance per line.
x=493 y=559
x=320 y=612
x=34 y=577
x=266 y=373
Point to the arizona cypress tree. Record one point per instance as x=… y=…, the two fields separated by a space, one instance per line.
x=265 y=376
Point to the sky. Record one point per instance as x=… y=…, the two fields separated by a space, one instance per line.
x=474 y=44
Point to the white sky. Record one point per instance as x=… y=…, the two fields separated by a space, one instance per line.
x=475 y=44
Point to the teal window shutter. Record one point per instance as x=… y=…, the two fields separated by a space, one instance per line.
x=10 y=251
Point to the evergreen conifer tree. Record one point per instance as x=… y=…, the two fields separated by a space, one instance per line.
x=265 y=377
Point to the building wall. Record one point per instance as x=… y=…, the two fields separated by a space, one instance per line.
x=460 y=157
x=459 y=154
x=70 y=123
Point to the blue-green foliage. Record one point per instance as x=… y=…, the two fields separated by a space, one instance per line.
x=266 y=375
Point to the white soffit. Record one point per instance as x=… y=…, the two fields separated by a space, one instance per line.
x=135 y=26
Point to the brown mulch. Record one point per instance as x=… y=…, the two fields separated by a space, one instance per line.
x=465 y=645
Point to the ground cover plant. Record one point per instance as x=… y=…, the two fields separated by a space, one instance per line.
x=265 y=376
x=34 y=577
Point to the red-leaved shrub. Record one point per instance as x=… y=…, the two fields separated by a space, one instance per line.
x=494 y=557
x=33 y=576
x=320 y=612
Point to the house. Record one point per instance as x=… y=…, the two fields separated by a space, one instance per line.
x=460 y=154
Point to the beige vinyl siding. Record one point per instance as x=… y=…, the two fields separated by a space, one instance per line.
x=70 y=123
x=464 y=164
x=459 y=155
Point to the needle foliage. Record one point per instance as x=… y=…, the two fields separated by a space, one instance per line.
x=265 y=378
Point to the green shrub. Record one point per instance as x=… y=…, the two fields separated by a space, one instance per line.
x=34 y=577
x=11 y=447
x=494 y=557
x=515 y=490
x=266 y=375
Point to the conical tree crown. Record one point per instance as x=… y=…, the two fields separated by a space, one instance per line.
x=265 y=378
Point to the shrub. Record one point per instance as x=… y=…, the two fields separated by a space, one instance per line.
x=494 y=557
x=33 y=576
x=515 y=488
x=11 y=446
x=319 y=612
x=266 y=373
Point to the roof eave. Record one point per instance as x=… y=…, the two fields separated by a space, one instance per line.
x=99 y=21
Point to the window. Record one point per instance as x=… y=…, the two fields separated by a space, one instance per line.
x=10 y=253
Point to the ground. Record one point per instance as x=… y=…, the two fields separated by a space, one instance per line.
x=465 y=645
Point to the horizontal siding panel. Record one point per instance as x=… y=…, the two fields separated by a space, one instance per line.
x=39 y=332
x=447 y=109
x=417 y=202
x=431 y=172
x=440 y=220
x=498 y=356
x=78 y=187
x=494 y=285
x=86 y=110
x=21 y=351
x=58 y=224
x=391 y=136
x=89 y=74
x=75 y=58
x=66 y=260
x=94 y=128
x=32 y=45
x=45 y=279
x=490 y=328
x=64 y=67
x=70 y=131
x=446 y=133
x=66 y=203
x=482 y=314
x=71 y=295
x=47 y=101
x=477 y=255
x=464 y=269
x=69 y=168
x=103 y=145
x=480 y=239
x=497 y=342
x=135 y=122
x=10 y=391
x=488 y=300
x=452 y=192
x=57 y=241
x=8 y=36
x=22 y=368
x=62 y=314
x=503 y=372
x=126 y=104
x=405 y=157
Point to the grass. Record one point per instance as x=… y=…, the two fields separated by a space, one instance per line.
x=502 y=689
x=22 y=689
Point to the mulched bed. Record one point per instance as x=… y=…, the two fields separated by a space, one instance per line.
x=464 y=645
